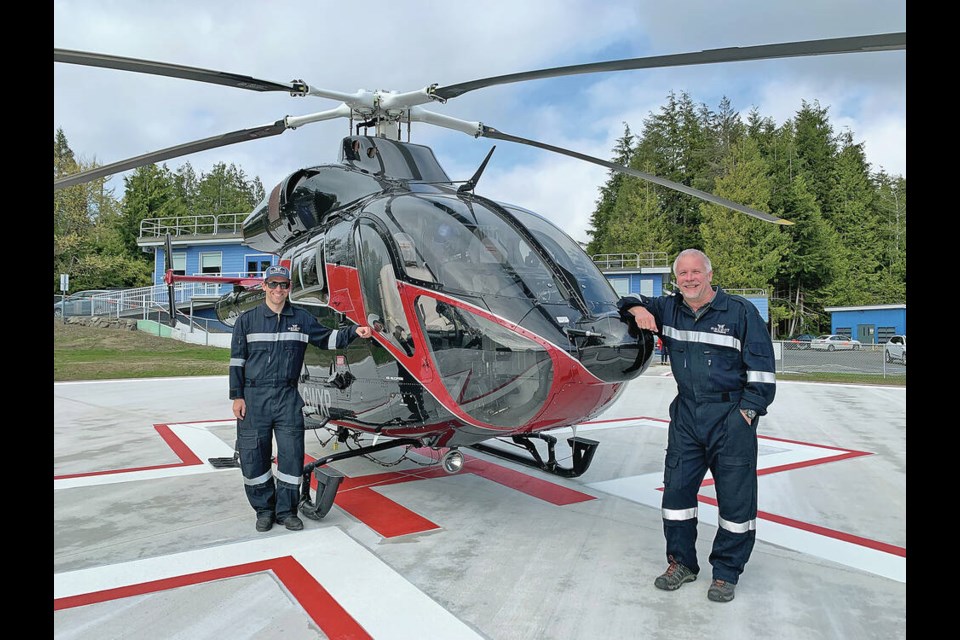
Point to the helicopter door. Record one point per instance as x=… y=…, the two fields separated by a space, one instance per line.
x=386 y=316
x=381 y=298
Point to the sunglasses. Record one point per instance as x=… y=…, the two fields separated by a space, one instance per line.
x=273 y=284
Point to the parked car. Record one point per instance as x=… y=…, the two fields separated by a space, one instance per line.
x=78 y=304
x=896 y=349
x=834 y=342
x=801 y=341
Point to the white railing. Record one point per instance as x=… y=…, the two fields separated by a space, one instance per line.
x=631 y=260
x=224 y=223
x=142 y=301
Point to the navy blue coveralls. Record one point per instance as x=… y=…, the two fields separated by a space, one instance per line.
x=266 y=357
x=722 y=360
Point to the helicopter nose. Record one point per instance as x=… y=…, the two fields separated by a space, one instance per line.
x=607 y=349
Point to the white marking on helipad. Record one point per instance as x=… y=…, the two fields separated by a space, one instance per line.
x=645 y=489
x=384 y=603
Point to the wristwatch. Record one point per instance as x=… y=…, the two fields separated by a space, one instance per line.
x=750 y=413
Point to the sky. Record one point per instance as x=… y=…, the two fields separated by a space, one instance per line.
x=406 y=45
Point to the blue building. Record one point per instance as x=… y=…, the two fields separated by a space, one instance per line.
x=203 y=245
x=870 y=324
x=650 y=274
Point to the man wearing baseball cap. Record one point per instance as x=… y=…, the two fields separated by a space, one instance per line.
x=266 y=357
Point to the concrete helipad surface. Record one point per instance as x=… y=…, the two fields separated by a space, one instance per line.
x=151 y=541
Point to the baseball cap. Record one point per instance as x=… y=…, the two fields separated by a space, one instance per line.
x=276 y=271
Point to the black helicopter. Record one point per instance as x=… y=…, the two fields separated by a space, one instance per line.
x=489 y=321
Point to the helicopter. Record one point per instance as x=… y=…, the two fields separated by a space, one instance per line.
x=489 y=322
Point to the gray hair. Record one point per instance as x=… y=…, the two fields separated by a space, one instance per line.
x=693 y=252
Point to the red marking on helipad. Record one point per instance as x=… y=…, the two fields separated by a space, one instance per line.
x=186 y=455
x=357 y=497
x=823 y=531
x=322 y=608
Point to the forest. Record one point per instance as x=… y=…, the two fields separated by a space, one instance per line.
x=846 y=246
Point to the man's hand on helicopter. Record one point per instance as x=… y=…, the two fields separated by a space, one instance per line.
x=644 y=319
x=364 y=332
x=239 y=408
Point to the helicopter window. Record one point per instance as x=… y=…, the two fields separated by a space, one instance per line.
x=413 y=262
x=307 y=275
x=596 y=289
x=381 y=296
x=497 y=376
x=471 y=250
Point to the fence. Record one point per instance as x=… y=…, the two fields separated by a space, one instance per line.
x=224 y=223
x=631 y=260
x=868 y=360
x=139 y=302
x=151 y=307
x=189 y=329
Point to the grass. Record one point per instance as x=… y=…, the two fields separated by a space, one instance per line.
x=98 y=353
x=846 y=378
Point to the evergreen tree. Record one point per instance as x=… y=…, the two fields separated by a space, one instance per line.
x=149 y=193
x=746 y=253
x=672 y=146
x=810 y=262
x=816 y=152
x=224 y=190
x=187 y=188
x=857 y=225
x=637 y=225
x=599 y=220
x=890 y=205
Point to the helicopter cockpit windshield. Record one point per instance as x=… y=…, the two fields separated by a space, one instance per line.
x=596 y=290
x=473 y=252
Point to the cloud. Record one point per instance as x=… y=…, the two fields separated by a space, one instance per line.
x=405 y=46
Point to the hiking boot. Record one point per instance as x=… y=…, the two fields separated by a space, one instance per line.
x=264 y=522
x=721 y=591
x=293 y=523
x=674 y=577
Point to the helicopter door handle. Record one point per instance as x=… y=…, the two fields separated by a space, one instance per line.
x=582 y=333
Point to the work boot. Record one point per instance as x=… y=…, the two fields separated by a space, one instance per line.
x=721 y=591
x=264 y=522
x=293 y=523
x=674 y=577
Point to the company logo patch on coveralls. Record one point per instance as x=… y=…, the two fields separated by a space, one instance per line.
x=293 y=327
x=720 y=328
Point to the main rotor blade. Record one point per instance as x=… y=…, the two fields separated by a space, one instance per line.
x=172 y=70
x=490 y=132
x=853 y=44
x=233 y=137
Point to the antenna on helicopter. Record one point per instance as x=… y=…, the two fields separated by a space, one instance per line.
x=472 y=182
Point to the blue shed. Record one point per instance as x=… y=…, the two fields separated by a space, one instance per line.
x=870 y=324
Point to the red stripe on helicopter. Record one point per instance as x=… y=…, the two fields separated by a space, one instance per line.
x=576 y=394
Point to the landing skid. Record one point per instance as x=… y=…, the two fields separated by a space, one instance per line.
x=583 y=450
x=328 y=480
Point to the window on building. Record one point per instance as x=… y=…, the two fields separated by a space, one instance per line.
x=646 y=287
x=621 y=286
x=885 y=333
x=846 y=332
x=179 y=263
x=211 y=263
x=257 y=265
